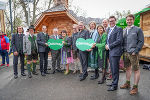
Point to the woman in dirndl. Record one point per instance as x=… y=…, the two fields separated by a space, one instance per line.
x=92 y=59
x=102 y=59
x=66 y=54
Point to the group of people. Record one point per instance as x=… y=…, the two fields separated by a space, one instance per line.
x=111 y=42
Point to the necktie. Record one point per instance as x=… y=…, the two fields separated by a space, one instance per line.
x=56 y=37
x=109 y=35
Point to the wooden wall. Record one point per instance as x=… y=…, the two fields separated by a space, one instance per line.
x=62 y=23
x=145 y=25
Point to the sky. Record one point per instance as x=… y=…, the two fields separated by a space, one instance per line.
x=104 y=8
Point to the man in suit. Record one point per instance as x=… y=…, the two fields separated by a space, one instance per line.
x=75 y=50
x=114 y=45
x=83 y=55
x=43 y=50
x=105 y=24
x=133 y=41
x=17 y=46
x=56 y=54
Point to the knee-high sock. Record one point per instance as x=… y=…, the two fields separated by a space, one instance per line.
x=34 y=67
x=29 y=68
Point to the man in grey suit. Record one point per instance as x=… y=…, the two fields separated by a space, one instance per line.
x=114 y=45
x=43 y=50
x=56 y=54
x=17 y=47
x=83 y=55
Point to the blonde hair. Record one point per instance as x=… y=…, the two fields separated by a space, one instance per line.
x=93 y=23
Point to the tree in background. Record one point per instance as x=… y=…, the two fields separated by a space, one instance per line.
x=77 y=10
x=123 y=14
x=20 y=12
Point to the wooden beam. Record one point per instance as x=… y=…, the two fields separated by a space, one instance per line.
x=40 y=19
x=143 y=58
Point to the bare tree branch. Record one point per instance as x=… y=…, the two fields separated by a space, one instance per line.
x=50 y=2
x=24 y=6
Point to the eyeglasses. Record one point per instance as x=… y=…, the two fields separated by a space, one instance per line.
x=112 y=21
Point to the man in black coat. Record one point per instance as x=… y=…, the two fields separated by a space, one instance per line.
x=83 y=55
x=43 y=50
x=75 y=50
x=17 y=46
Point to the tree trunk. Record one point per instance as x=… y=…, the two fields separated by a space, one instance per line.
x=50 y=1
x=25 y=10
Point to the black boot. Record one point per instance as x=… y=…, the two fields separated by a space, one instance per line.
x=29 y=70
x=83 y=77
x=96 y=75
x=53 y=71
x=29 y=75
x=102 y=81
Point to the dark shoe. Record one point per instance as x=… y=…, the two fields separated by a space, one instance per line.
x=80 y=75
x=102 y=81
x=43 y=74
x=46 y=72
x=112 y=88
x=83 y=77
x=59 y=70
x=15 y=76
x=52 y=72
x=109 y=84
x=34 y=73
x=23 y=74
x=93 y=77
x=30 y=76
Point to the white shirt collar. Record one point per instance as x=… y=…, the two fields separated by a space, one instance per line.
x=55 y=34
x=112 y=27
x=130 y=27
x=44 y=32
x=30 y=35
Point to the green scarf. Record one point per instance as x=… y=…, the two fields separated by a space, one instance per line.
x=65 y=40
x=32 y=40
